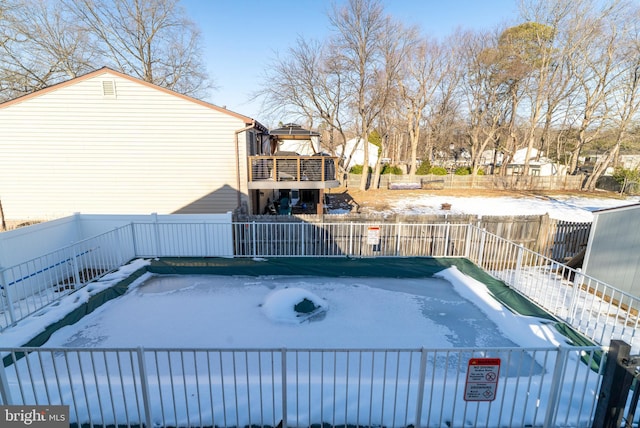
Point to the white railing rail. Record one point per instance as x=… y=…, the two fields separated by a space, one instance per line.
x=29 y=286
x=595 y=309
x=302 y=239
x=551 y=387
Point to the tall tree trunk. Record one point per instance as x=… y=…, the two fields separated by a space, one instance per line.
x=365 y=167
x=601 y=167
x=415 y=136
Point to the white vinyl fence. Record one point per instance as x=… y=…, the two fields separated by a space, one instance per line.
x=30 y=285
x=300 y=387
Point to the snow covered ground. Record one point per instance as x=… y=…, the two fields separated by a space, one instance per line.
x=568 y=208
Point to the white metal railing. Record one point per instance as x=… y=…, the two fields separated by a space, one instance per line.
x=301 y=239
x=554 y=387
x=29 y=286
x=595 y=309
x=170 y=387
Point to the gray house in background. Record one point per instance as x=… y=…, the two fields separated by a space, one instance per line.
x=613 y=251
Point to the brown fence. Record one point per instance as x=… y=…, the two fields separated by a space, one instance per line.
x=495 y=182
x=570 y=240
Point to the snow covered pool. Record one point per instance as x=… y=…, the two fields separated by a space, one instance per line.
x=224 y=350
x=213 y=311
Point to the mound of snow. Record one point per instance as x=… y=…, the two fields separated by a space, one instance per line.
x=293 y=305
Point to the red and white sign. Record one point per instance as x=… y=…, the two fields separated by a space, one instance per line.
x=373 y=235
x=482 y=379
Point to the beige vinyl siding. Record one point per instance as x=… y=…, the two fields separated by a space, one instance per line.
x=142 y=151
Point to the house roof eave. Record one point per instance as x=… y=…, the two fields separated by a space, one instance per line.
x=104 y=70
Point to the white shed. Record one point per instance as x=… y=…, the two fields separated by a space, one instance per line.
x=541 y=167
x=109 y=143
x=612 y=253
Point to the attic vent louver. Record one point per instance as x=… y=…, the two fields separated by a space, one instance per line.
x=109 y=88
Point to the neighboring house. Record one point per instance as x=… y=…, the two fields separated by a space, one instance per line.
x=540 y=166
x=355 y=149
x=291 y=173
x=630 y=161
x=490 y=157
x=108 y=143
x=612 y=252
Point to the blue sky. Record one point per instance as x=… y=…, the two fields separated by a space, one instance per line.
x=240 y=37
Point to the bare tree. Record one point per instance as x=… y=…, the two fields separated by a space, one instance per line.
x=307 y=83
x=624 y=102
x=44 y=42
x=531 y=45
x=425 y=68
x=592 y=64
x=364 y=45
x=443 y=119
x=396 y=44
x=40 y=45
x=482 y=89
x=150 y=39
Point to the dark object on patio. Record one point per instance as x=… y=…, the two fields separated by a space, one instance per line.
x=284 y=208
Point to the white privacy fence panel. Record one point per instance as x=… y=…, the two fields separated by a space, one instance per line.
x=34 y=284
x=26 y=243
x=182 y=239
x=244 y=387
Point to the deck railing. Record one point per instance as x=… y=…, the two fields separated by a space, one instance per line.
x=292 y=168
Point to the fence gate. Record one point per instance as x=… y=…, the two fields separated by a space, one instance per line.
x=569 y=239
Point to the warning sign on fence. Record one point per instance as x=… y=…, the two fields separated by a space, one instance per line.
x=373 y=235
x=482 y=379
